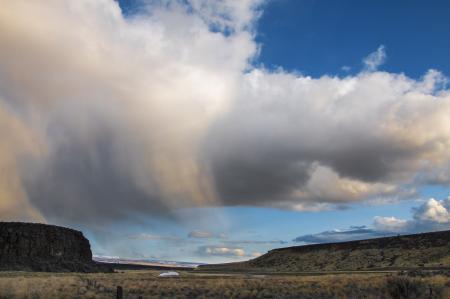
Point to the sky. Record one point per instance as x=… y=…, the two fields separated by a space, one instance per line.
x=216 y=130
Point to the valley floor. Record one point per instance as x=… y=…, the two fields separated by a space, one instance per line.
x=192 y=284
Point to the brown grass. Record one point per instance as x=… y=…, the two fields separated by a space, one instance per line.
x=192 y=285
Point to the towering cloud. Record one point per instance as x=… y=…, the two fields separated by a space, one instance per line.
x=120 y=104
x=296 y=141
x=103 y=117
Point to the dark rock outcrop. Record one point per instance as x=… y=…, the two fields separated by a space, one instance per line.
x=41 y=247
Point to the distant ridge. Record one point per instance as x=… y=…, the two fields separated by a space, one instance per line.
x=130 y=264
x=431 y=250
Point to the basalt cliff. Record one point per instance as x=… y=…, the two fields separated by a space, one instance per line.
x=47 y=248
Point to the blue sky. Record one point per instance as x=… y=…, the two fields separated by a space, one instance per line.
x=320 y=37
x=213 y=131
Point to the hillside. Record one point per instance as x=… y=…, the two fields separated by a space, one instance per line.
x=409 y=251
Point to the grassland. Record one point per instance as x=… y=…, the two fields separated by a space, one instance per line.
x=197 y=285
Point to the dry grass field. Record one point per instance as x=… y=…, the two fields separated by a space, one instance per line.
x=196 y=285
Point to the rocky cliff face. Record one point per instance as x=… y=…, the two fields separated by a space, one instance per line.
x=41 y=247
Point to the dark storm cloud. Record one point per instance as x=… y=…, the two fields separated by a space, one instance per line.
x=367 y=158
x=256 y=176
x=256 y=164
x=85 y=183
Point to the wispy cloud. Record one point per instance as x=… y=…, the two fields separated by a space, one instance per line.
x=204 y=234
x=151 y=237
x=218 y=250
x=346 y=68
x=254 y=242
x=375 y=59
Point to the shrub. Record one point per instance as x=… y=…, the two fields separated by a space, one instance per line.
x=404 y=287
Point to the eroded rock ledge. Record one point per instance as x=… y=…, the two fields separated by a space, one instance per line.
x=42 y=247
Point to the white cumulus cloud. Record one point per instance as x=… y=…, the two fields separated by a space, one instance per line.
x=434 y=211
x=390 y=224
x=221 y=251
